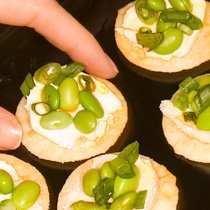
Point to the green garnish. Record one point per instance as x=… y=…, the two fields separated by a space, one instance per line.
x=86 y=83
x=189 y=116
x=188 y=84
x=41 y=108
x=180 y=100
x=185 y=29
x=140 y=201
x=27 y=85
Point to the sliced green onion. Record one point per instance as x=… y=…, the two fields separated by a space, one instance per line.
x=86 y=82
x=130 y=152
x=185 y=29
x=29 y=80
x=150 y=41
x=203 y=80
x=180 y=100
x=103 y=191
x=194 y=22
x=146 y=30
x=60 y=77
x=175 y=16
x=72 y=69
x=24 y=88
x=202 y=100
x=122 y=168
x=189 y=116
x=47 y=73
x=41 y=108
x=191 y=95
x=188 y=84
x=140 y=200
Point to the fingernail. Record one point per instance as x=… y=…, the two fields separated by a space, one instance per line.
x=114 y=67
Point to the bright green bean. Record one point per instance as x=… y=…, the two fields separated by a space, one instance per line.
x=85 y=121
x=203 y=120
x=6 y=182
x=172 y=41
x=90 y=181
x=68 y=91
x=157 y=5
x=51 y=96
x=122 y=185
x=56 y=120
x=91 y=103
x=106 y=171
x=7 y=205
x=181 y=4
x=124 y=202
x=25 y=194
x=83 y=205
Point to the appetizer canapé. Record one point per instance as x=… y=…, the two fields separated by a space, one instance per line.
x=67 y=115
x=164 y=35
x=186 y=119
x=21 y=185
x=123 y=180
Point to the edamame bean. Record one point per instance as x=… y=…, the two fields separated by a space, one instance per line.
x=83 y=205
x=6 y=182
x=56 y=120
x=157 y=5
x=162 y=26
x=25 y=194
x=106 y=171
x=122 y=185
x=124 y=202
x=181 y=4
x=203 y=120
x=68 y=91
x=85 y=121
x=172 y=41
x=51 y=96
x=90 y=180
x=47 y=73
x=91 y=103
x=7 y=205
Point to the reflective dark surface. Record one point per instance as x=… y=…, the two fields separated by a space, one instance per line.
x=22 y=51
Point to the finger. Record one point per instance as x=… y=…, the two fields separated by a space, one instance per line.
x=10 y=131
x=49 y=19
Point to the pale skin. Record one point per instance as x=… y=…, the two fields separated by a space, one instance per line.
x=61 y=30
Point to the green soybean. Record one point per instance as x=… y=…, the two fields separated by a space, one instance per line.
x=124 y=202
x=91 y=103
x=25 y=194
x=106 y=171
x=157 y=5
x=173 y=38
x=122 y=185
x=7 y=205
x=203 y=120
x=181 y=4
x=56 y=120
x=85 y=121
x=68 y=91
x=90 y=181
x=83 y=205
x=6 y=182
x=51 y=96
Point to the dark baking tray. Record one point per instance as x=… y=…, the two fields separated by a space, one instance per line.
x=22 y=50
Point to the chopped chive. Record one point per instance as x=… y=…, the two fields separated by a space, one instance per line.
x=180 y=100
x=41 y=108
x=175 y=16
x=185 y=29
x=24 y=88
x=72 y=69
x=60 y=77
x=188 y=84
x=194 y=22
x=29 y=80
x=140 y=200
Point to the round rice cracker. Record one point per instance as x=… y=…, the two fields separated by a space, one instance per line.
x=167 y=197
x=28 y=172
x=185 y=145
x=48 y=150
x=199 y=53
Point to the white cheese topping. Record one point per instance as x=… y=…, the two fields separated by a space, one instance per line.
x=132 y=23
x=174 y=114
x=66 y=137
x=148 y=181
x=17 y=180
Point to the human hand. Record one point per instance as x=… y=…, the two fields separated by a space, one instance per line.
x=49 y=19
